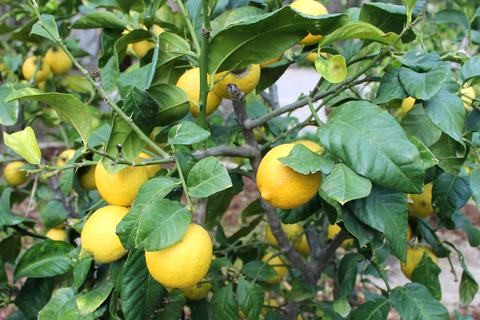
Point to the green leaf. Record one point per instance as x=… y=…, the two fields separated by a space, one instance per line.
x=475 y=185
x=470 y=69
x=305 y=161
x=223 y=304
x=414 y=301
x=424 y=85
x=80 y=272
x=473 y=233
x=186 y=133
x=252 y=268
x=172 y=307
x=250 y=298
x=347 y=274
x=207 y=177
x=426 y=272
x=217 y=205
x=367 y=139
x=68 y=107
x=417 y=124
x=343 y=184
x=25 y=144
x=359 y=30
x=447 y=150
x=472 y=123
x=141 y=107
x=110 y=74
x=61 y=305
x=141 y=294
x=90 y=301
x=34 y=295
x=49 y=26
x=99 y=19
x=468 y=288
x=47 y=258
x=390 y=87
x=410 y=5
x=342 y=307
x=428 y=158
x=375 y=309
x=420 y=61
x=8 y=110
x=148 y=195
x=447 y=112
x=452 y=16
x=386 y=211
x=237 y=45
x=300 y=213
x=224 y=135
x=173 y=104
x=10 y=248
x=77 y=83
x=333 y=69
x=449 y=193
x=302 y=290
x=131 y=143
x=162 y=223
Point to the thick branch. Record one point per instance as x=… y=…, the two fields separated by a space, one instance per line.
x=224 y=151
x=321 y=261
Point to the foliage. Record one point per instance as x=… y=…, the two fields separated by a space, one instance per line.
x=372 y=156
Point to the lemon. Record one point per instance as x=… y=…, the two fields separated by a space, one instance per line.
x=301 y=245
x=422 y=203
x=277 y=263
x=332 y=231
x=414 y=255
x=56 y=234
x=271 y=61
x=58 y=61
x=142 y=47
x=64 y=157
x=152 y=169
x=246 y=80
x=120 y=188
x=190 y=83
x=409 y=232
x=86 y=178
x=14 y=175
x=313 y=8
x=30 y=65
x=313 y=146
x=291 y=230
x=269 y=303
x=198 y=291
x=185 y=263
x=156 y=29
x=99 y=237
x=281 y=186
x=467 y=95
x=407 y=104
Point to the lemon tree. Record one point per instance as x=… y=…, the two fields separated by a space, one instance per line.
x=187 y=185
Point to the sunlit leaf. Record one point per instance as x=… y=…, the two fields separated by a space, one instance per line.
x=207 y=177
x=25 y=144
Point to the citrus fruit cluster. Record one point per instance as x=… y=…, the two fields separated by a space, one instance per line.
x=56 y=61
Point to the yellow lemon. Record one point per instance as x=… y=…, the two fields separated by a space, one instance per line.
x=185 y=263
x=120 y=188
x=198 y=291
x=13 y=175
x=246 y=79
x=281 y=186
x=156 y=29
x=332 y=231
x=301 y=245
x=56 y=234
x=422 y=203
x=190 y=83
x=151 y=169
x=86 y=178
x=99 y=237
x=468 y=94
x=409 y=232
x=407 y=104
x=414 y=255
x=271 y=61
x=268 y=303
x=291 y=230
x=313 y=146
x=313 y=8
x=64 y=157
x=142 y=47
x=58 y=61
x=29 y=67
x=277 y=263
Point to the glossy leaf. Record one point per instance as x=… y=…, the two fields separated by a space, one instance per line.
x=449 y=193
x=368 y=139
x=236 y=45
x=428 y=158
x=333 y=69
x=99 y=19
x=304 y=161
x=34 y=295
x=207 y=177
x=414 y=301
x=253 y=268
x=217 y=205
x=424 y=85
x=162 y=223
x=61 y=305
x=48 y=27
x=8 y=110
x=300 y=213
x=347 y=274
x=420 y=61
x=224 y=135
x=447 y=112
x=357 y=228
x=77 y=83
x=110 y=74
x=468 y=285
x=172 y=307
x=473 y=233
x=186 y=133
x=223 y=304
x=141 y=106
x=472 y=123
x=390 y=87
x=417 y=124
x=343 y=184
x=172 y=101
x=375 y=309
x=475 y=185
x=25 y=144
x=140 y=293
x=386 y=211
x=250 y=298
x=80 y=271
x=426 y=272
x=452 y=16
x=90 y=301
x=71 y=110
x=359 y=30
x=470 y=69
x=45 y=259
x=447 y=152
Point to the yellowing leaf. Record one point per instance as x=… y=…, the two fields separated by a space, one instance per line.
x=334 y=69
x=25 y=144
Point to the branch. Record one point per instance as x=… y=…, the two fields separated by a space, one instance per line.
x=225 y=151
x=322 y=260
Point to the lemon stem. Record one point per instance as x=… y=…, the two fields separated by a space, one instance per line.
x=314 y=113
x=191 y=29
